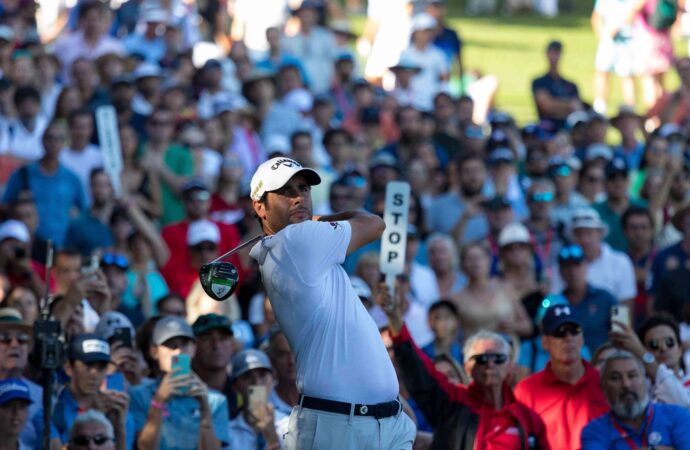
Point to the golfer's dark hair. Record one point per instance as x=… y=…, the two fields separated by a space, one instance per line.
x=444 y=304
x=298 y=134
x=25 y=93
x=332 y=133
x=90 y=5
x=636 y=211
x=657 y=321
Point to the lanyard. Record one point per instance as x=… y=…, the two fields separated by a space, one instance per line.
x=627 y=437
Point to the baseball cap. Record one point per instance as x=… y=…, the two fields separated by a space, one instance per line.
x=146 y=70
x=423 y=21
x=171 y=327
x=383 y=159
x=501 y=155
x=247 y=360
x=6 y=33
x=14 y=389
x=14 y=229
x=202 y=231
x=576 y=118
x=558 y=315
x=514 y=233
x=111 y=321
x=276 y=172
x=496 y=202
x=360 y=287
x=587 y=218
x=598 y=150
x=406 y=63
x=211 y=321
x=617 y=166
x=89 y=347
x=554 y=45
x=277 y=143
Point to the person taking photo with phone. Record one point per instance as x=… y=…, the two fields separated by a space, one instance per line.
x=87 y=362
x=178 y=411
x=259 y=426
x=485 y=412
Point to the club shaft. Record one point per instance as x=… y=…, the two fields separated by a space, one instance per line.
x=238 y=248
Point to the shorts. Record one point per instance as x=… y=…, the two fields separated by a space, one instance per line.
x=616 y=57
x=310 y=429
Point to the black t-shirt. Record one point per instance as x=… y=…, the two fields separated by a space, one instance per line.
x=557 y=87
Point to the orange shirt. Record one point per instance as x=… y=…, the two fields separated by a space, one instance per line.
x=565 y=409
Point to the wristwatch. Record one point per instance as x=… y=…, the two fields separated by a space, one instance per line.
x=648 y=358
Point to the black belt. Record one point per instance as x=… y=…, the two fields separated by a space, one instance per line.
x=380 y=410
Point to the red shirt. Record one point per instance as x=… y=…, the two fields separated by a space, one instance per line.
x=565 y=409
x=178 y=271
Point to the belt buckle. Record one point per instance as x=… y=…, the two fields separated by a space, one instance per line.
x=363 y=410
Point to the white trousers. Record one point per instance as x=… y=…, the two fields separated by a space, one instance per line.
x=310 y=429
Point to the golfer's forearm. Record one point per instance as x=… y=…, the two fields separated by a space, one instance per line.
x=345 y=215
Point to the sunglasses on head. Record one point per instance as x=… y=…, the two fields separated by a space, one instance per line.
x=655 y=344
x=111 y=259
x=6 y=337
x=83 y=441
x=542 y=197
x=567 y=330
x=570 y=252
x=484 y=358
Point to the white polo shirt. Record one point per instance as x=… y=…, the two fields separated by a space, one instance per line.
x=338 y=349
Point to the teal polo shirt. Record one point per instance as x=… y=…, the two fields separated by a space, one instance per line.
x=616 y=239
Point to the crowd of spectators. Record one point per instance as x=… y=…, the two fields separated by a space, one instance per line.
x=521 y=240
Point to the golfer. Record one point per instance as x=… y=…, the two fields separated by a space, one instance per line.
x=346 y=379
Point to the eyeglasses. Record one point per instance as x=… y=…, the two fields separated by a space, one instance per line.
x=655 y=344
x=567 y=330
x=542 y=197
x=84 y=440
x=562 y=171
x=112 y=259
x=484 y=358
x=6 y=337
x=570 y=252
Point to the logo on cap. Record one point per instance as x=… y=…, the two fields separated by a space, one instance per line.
x=558 y=310
x=95 y=346
x=285 y=162
x=12 y=387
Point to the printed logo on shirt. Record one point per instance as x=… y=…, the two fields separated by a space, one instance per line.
x=335 y=225
x=654 y=438
x=287 y=162
x=565 y=310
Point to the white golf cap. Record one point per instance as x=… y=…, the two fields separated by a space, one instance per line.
x=423 y=21
x=202 y=231
x=274 y=173
x=514 y=233
x=587 y=218
x=14 y=229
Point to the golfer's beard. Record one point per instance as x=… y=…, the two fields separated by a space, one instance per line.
x=629 y=411
x=470 y=191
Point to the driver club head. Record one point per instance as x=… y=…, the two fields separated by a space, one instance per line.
x=219 y=279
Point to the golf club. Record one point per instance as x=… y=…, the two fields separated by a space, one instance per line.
x=219 y=278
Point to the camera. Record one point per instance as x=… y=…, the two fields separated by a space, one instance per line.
x=48 y=351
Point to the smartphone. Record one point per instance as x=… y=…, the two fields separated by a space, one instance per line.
x=258 y=398
x=122 y=335
x=92 y=266
x=115 y=382
x=181 y=365
x=619 y=313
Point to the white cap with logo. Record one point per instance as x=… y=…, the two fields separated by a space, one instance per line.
x=276 y=172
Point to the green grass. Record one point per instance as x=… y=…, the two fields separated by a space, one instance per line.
x=512 y=48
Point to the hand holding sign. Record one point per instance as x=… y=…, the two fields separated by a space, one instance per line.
x=394 y=239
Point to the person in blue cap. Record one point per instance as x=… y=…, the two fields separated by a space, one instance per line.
x=15 y=399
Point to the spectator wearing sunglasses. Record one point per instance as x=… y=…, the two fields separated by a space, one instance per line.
x=546 y=239
x=15 y=343
x=634 y=420
x=466 y=416
x=591 y=305
x=91 y=430
x=564 y=174
x=657 y=343
x=178 y=410
x=617 y=201
x=15 y=400
x=566 y=394
x=88 y=357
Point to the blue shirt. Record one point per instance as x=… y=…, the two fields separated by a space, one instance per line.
x=152 y=50
x=180 y=429
x=558 y=88
x=55 y=196
x=86 y=233
x=32 y=434
x=670 y=426
x=455 y=351
x=66 y=411
x=449 y=42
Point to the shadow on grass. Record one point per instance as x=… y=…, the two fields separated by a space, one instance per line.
x=523 y=21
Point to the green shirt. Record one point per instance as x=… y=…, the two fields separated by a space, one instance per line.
x=616 y=239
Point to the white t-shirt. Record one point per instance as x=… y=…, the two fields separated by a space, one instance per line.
x=338 y=349
x=82 y=162
x=434 y=64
